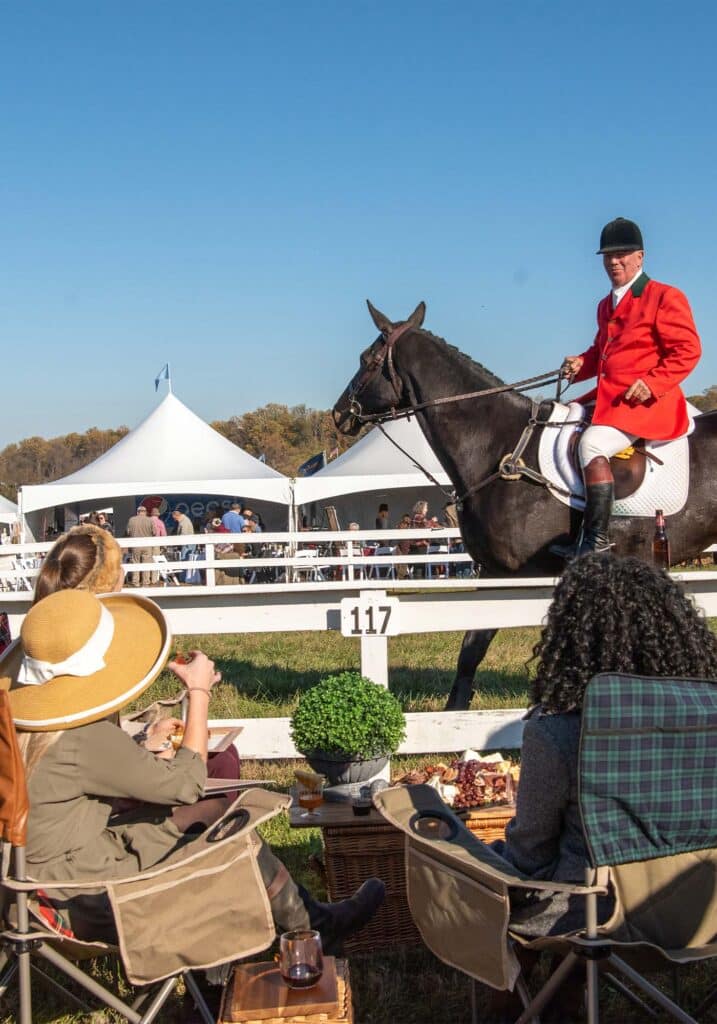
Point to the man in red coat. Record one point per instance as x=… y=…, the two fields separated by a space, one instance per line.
x=646 y=344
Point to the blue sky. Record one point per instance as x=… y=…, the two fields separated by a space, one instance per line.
x=222 y=185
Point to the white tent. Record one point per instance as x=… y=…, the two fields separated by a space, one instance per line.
x=8 y=511
x=374 y=470
x=172 y=451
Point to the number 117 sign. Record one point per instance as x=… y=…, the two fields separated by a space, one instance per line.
x=369 y=615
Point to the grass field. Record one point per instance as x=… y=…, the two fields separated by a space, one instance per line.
x=263 y=676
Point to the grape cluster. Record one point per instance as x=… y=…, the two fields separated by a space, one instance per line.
x=479 y=784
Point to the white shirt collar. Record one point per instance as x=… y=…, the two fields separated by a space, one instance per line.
x=617 y=293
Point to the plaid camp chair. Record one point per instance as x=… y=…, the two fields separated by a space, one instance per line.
x=170 y=919
x=648 y=797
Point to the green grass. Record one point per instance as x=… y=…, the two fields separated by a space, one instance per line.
x=262 y=676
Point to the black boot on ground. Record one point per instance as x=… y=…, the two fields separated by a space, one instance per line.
x=336 y=921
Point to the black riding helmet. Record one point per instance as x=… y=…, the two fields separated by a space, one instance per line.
x=620 y=235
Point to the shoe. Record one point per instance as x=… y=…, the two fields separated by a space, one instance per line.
x=336 y=921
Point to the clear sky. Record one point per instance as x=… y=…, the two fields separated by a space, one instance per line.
x=221 y=184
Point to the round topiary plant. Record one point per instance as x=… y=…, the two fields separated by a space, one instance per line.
x=347 y=716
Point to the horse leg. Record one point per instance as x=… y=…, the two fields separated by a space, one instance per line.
x=473 y=649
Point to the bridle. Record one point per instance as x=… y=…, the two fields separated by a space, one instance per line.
x=511 y=466
x=365 y=374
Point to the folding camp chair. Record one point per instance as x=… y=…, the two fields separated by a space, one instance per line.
x=648 y=798
x=170 y=576
x=170 y=919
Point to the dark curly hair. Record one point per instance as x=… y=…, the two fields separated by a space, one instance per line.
x=617 y=615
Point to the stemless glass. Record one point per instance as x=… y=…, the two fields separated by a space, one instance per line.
x=310 y=796
x=300 y=958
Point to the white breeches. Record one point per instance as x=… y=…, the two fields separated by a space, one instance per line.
x=605 y=441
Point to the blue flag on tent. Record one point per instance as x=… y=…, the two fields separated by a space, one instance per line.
x=312 y=465
x=162 y=375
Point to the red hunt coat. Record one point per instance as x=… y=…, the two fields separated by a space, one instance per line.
x=650 y=334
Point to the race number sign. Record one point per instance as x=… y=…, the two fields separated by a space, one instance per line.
x=370 y=615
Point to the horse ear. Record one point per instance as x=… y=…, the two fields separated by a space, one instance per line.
x=382 y=322
x=416 y=317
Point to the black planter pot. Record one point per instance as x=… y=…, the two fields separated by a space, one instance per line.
x=343 y=769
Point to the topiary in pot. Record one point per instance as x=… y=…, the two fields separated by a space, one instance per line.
x=347 y=727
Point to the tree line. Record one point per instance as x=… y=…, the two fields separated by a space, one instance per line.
x=283 y=436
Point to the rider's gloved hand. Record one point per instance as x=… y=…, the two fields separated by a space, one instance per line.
x=571 y=366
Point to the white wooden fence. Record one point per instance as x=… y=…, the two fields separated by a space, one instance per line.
x=366 y=607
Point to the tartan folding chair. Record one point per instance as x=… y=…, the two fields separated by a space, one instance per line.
x=648 y=797
x=169 y=919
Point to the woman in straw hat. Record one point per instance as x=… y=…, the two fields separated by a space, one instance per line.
x=79 y=659
x=88 y=558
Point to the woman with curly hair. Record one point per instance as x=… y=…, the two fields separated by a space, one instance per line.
x=607 y=615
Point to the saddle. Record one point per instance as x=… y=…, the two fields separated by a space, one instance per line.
x=648 y=475
x=628 y=466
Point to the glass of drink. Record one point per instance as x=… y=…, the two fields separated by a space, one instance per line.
x=310 y=795
x=300 y=958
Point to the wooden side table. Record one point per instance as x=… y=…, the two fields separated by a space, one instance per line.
x=255 y=995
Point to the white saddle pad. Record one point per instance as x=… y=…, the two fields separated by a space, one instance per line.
x=664 y=486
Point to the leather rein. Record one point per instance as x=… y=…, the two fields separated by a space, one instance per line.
x=511 y=467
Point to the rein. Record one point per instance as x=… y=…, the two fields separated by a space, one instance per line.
x=552 y=377
x=510 y=467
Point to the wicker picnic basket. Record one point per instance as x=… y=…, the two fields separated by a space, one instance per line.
x=354 y=853
x=488 y=823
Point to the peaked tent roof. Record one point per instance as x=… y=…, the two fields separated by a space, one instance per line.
x=172 y=451
x=374 y=464
x=8 y=510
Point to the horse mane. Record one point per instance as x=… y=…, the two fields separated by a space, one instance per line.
x=466 y=361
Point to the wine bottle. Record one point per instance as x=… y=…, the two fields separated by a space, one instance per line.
x=660 y=542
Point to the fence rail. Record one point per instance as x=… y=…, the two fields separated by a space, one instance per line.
x=445 y=604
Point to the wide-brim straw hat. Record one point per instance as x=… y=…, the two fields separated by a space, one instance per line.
x=81 y=657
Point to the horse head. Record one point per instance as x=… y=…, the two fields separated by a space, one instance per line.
x=376 y=387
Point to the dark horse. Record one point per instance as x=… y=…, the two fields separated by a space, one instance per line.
x=507 y=525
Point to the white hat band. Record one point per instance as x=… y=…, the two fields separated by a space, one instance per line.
x=89 y=659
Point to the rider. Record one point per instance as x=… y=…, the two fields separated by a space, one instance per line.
x=646 y=344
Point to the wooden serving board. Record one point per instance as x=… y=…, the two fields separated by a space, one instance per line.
x=258 y=992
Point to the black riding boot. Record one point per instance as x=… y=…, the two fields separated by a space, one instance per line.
x=599 y=495
x=292 y=908
x=336 y=921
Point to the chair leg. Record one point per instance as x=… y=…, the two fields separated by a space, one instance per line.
x=551 y=986
x=620 y=987
x=199 y=1000
x=88 y=983
x=663 y=1001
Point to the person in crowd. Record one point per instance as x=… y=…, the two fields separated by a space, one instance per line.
x=645 y=346
x=160 y=530
x=250 y=516
x=74 y=774
x=184 y=527
x=403 y=547
x=140 y=525
x=86 y=558
x=103 y=522
x=248 y=550
x=382 y=522
x=233 y=519
x=419 y=521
